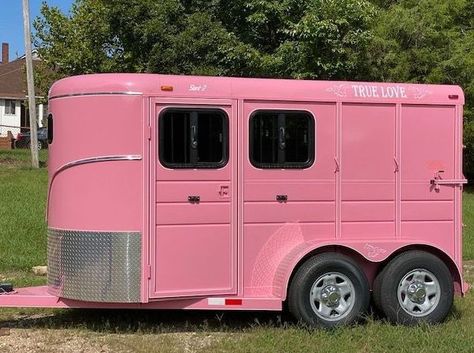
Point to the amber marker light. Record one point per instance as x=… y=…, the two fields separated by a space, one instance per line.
x=167 y=88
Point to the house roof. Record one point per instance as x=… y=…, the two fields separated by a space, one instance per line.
x=13 y=79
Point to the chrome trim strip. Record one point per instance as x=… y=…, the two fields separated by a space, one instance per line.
x=96 y=160
x=113 y=158
x=131 y=93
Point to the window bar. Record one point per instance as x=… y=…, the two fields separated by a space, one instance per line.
x=281 y=139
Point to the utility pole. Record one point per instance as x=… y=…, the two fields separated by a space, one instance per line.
x=31 y=85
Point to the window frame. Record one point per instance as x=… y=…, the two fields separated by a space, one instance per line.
x=286 y=165
x=9 y=102
x=206 y=165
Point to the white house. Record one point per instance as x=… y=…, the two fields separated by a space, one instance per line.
x=13 y=95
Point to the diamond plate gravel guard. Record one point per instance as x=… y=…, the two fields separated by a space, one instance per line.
x=94 y=266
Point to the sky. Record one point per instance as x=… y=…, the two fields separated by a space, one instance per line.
x=11 y=21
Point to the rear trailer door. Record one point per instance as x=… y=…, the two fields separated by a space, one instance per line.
x=430 y=175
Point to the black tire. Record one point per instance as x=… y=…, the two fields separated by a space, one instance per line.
x=430 y=308
x=311 y=274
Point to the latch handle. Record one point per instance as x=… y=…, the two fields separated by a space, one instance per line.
x=194 y=199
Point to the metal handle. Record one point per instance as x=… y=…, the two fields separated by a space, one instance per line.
x=437 y=181
x=194 y=198
x=194 y=142
x=282 y=198
x=448 y=181
x=282 y=138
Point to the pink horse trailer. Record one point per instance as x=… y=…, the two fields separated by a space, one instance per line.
x=180 y=192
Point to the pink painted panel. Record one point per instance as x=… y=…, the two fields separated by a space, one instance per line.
x=102 y=196
x=437 y=233
x=207 y=190
x=368 y=211
x=435 y=144
x=427 y=211
x=188 y=213
x=424 y=191
x=368 y=171
x=264 y=212
x=265 y=246
x=367 y=230
x=359 y=191
x=368 y=142
x=201 y=264
x=99 y=196
x=296 y=191
x=82 y=129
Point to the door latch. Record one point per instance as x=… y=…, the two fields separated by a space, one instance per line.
x=194 y=199
x=224 y=191
x=438 y=180
x=282 y=198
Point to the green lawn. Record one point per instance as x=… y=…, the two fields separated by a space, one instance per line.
x=23 y=245
x=22 y=217
x=468 y=221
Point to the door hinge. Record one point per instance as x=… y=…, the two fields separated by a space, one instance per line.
x=148 y=271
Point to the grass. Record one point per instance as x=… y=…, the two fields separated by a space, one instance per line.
x=468 y=221
x=23 y=198
x=23 y=245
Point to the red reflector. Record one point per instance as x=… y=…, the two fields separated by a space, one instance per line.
x=233 y=302
x=453 y=96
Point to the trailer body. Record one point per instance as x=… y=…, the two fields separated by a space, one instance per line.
x=209 y=193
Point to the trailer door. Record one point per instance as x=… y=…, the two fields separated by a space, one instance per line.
x=194 y=246
x=369 y=166
x=288 y=183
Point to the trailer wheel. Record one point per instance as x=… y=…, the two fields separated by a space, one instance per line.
x=328 y=290
x=414 y=287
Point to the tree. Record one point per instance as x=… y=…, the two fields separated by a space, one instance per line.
x=289 y=38
x=428 y=41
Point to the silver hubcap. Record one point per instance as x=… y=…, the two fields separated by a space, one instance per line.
x=332 y=296
x=419 y=292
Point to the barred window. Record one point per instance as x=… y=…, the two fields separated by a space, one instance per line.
x=281 y=139
x=193 y=138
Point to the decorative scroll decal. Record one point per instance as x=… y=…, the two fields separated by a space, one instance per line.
x=338 y=90
x=420 y=92
x=374 y=251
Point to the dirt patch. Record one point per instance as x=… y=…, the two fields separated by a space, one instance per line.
x=178 y=342
x=51 y=341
